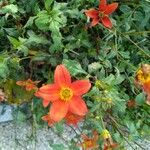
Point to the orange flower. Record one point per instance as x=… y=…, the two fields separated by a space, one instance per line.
x=2 y=96
x=89 y=143
x=108 y=142
x=72 y=119
x=131 y=103
x=64 y=95
x=48 y=119
x=142 y=79
x=101 y=14
x=110 y=146
x=28 y=84
x=146 y=88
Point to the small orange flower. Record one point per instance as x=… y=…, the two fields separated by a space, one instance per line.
x=28 y=84
x=88 y=142
x=48 y=119
x=101 y=14
x=2 y=96
x=131 y=103
x=142 y=79
x=108 y=142
x=64 y=95
x=72 y=119
x=110 y=146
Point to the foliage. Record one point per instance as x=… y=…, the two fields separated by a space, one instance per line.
x=36 y=36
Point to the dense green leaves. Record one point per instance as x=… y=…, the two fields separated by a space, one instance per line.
x=36 y=36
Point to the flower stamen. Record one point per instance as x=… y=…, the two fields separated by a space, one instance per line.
x=66 y=94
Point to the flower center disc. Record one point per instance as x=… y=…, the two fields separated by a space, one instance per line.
x=101 y=14
x=66 y=94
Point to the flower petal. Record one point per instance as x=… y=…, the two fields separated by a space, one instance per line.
x=103 y=2
x=111 y=8
x=102 y=5
x=92 y=13
x=78 y=106
x=80 y=87
x=146 y=87
x=106 y=22
x=49 y=88
x=148 y=100
x=58 y=110
x=62 y=76
x=47 y=96
x=45 y=103
x=94 y=22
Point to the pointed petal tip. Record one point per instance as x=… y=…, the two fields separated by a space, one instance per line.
x=62 y=75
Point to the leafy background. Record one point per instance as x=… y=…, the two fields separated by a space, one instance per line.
x=36 y=36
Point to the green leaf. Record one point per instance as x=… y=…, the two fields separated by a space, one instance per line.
x=48 y=4
x=140 y=99
x=74 y=67
x=59 y=127
x=30 y=22
x=94 y=67
x=38 y=39
x=23 y=49
x=16 y=43
x=4 y=71
x=9 y=9
x=42 y=21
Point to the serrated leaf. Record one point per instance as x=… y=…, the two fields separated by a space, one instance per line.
x=38 y=39
x=4 y=71
x=16 y=43
x=94 y=67
x=30 y=22
x=9 y=9
x=74 y=67
x=48 y=4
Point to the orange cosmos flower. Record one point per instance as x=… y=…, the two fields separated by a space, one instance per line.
x=28 y=84
x=72 y=119
x=64 y=95
x=101 y=14
x=88 y=142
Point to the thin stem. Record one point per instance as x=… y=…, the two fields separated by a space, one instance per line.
x=102 y=122
x=134 y=44
x=116 y=126
x=75 y=133
x=140 y=32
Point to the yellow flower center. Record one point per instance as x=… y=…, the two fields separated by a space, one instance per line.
x=141 y=77
x=105 y=134
x=101 y=14
x=66 y=94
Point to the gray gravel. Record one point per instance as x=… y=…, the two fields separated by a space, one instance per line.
x=23 y=136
